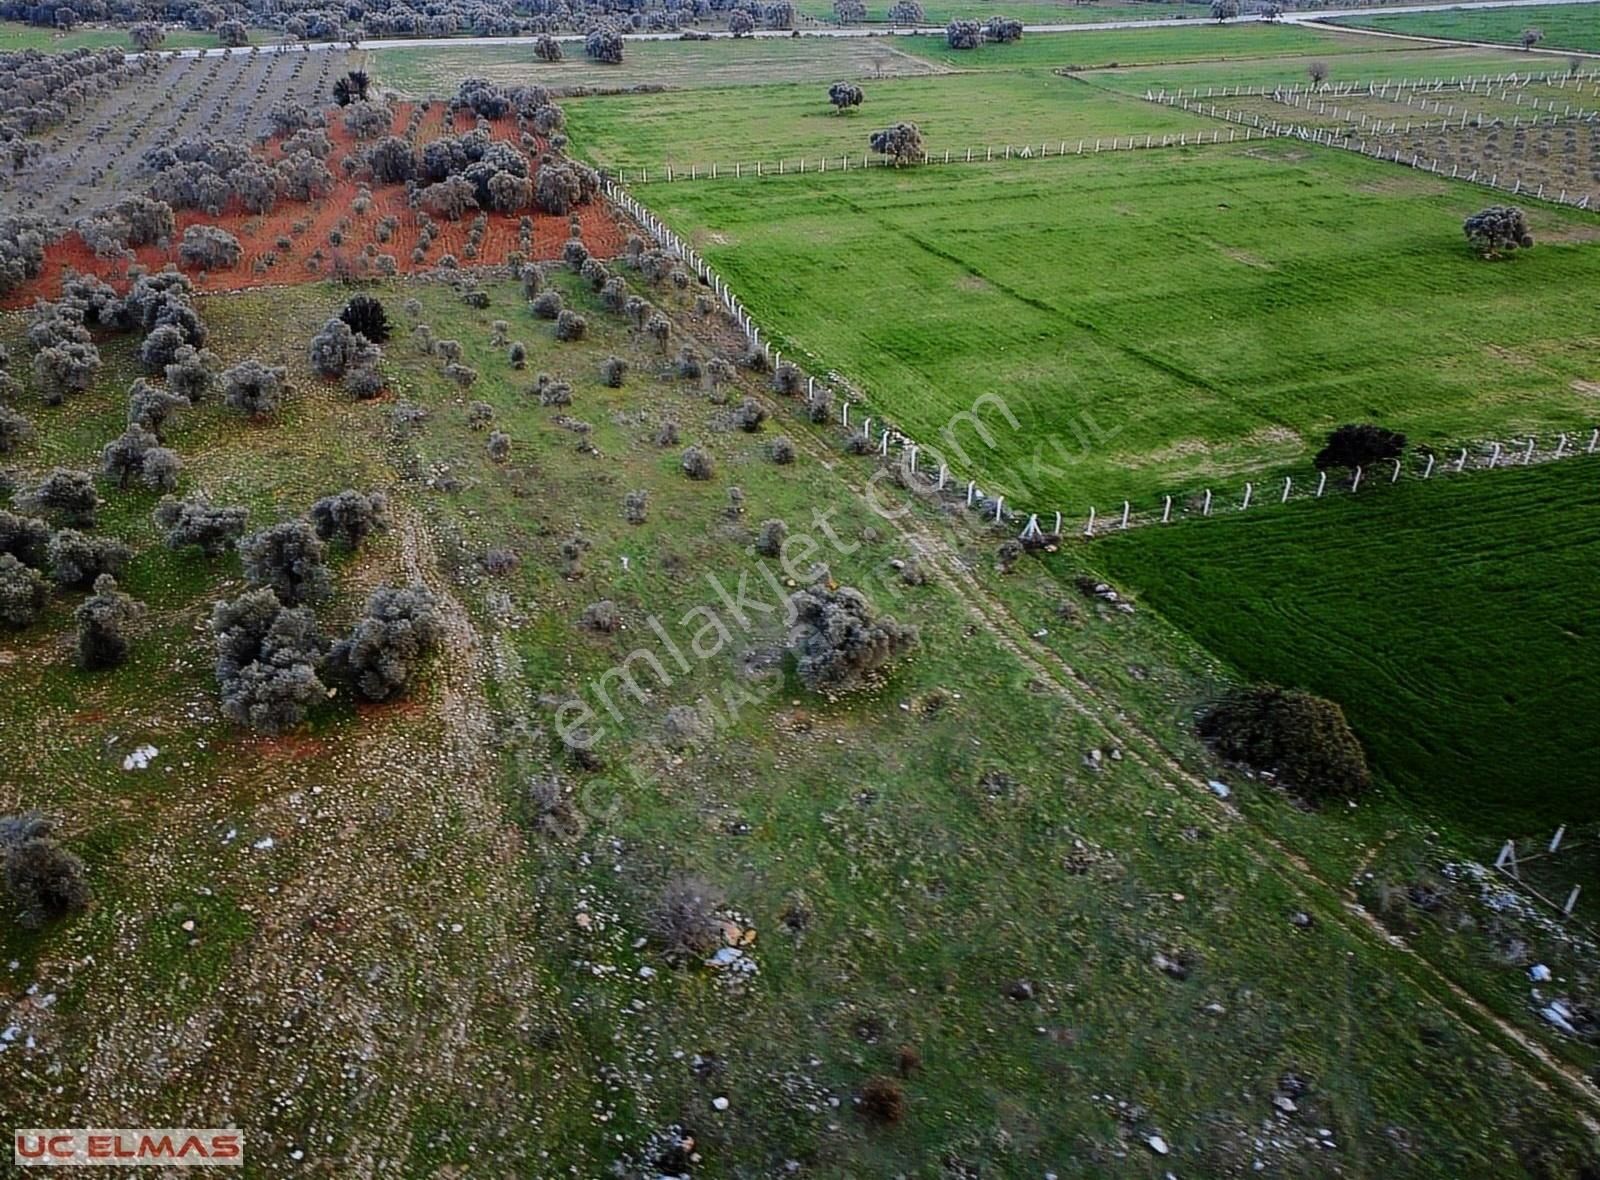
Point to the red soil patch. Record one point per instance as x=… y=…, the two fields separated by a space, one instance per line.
x=259 y=234
x=288 y=748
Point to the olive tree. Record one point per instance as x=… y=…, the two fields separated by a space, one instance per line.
x=288 y=560
x=267 y=656
x=1498 y=230
x=350 y=517
x=102 y=620
x=383 y=653
x=838 y=641
x=253 y=388
x=901 y=143
x=209 y=527
x=844 y=96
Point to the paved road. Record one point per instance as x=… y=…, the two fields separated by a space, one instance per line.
x=1318 y=18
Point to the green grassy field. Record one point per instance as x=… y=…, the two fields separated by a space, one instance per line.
x=903 y=856
x=1405 y=61
x=672 y=64
x=1451 y=619
x=17 y=35
x=1565 y=26
x=954 y=113
x=1031 y=12
x=1096 y=48
x=1195 y=320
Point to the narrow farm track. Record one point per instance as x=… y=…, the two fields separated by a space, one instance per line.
x=1332 y=900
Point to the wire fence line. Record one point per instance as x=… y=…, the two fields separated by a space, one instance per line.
x=1513 y=186
x=928 y=467
x=1044 y=149
x=1374 y=88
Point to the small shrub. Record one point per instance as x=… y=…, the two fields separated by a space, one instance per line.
x=883 y=1099
x=667 y=434
x=44 y=881
x=570 y=326
x=750 y=415
x=1302 y=738
x=612 y=370
x=770 y=537
x=698 y=464
x=683 y=921
x=838 y=641
x=602 y=617
x=499 y=446
x=781 y=450
x=547 y=305
x=636 y=506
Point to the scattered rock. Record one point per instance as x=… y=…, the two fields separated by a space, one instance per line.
x=1021 y=990
x=140 y=759
x=1158 y=1145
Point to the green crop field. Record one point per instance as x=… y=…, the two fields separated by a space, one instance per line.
x=1453 y=620
x=1159 y=320
x=671 y=64
x=1565 y=26
x=955 y=113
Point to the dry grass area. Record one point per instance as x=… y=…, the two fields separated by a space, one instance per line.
x=419 y=73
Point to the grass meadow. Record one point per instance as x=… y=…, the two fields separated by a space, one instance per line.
x=954 y=113
x=1565 y=26
x=18 y=35
x=1157 y=321
x=904 y=856
x=1030 y=12
x=1452 y=620
x=436 y=72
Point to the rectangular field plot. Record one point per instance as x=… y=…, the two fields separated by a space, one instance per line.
x=1565 y=26
x=1155 y=320
x=1402 y=61
x=1030 y=12
x=1094 y=48
x=425 y=72
x=954 y=112
x=1454 y=620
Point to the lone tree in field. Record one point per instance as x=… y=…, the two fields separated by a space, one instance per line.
x=1530 y=36
x=906 y=12
x=381 y=656
x=286 y=559
x=1303 y=739
x=1360 y=445
x=1222 y=10
x=103 y=620
x=741 y=23
x=1002 y=30
x=963 y=34
x=838 y=641
x=147 y=35
x=44 y=881
x=844 y=95
x=901 y=143
x=267 y=660
x=849 y=12
x=604 y=45
x=1318 y=71
x=1498 y=230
